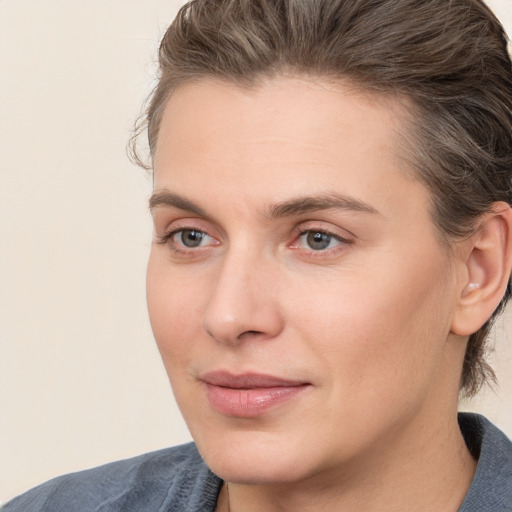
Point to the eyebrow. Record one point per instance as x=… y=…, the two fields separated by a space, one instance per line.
x=307 y=204
x=170 y=199
x=291 y=207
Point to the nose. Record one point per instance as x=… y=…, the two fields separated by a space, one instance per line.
x=244 y=302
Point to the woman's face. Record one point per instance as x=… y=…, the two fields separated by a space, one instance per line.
x=297 y=291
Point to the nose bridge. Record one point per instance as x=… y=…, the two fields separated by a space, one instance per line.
x=243 y=300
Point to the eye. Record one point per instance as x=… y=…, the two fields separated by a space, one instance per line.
x=317 y=240
x=190 y=238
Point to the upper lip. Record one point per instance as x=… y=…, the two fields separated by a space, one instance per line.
x=247 y=380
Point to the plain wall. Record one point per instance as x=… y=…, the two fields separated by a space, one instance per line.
x=81 y=381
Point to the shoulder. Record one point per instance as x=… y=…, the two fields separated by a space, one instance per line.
x=491 y=488
x=173 y=479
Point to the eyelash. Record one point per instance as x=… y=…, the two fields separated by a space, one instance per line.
x=166 y=239
x=318 y=253
x=321 y=253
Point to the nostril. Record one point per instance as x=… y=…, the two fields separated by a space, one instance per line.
x=235 y=319
x=249 y=333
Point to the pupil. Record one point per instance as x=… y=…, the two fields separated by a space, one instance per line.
x=318 y=240
x=191 y=238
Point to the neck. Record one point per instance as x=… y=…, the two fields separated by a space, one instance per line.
x=428 y=469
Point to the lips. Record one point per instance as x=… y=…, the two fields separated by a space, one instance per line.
x=249 y=395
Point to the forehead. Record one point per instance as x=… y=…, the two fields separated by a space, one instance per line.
x=286 y=135
x=295 y=108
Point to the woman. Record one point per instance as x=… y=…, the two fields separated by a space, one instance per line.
x=332 y=242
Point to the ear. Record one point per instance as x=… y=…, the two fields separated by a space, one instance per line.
x=485 y=270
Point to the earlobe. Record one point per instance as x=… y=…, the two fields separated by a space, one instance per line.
x=487 y=265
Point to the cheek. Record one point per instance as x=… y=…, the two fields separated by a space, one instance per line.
x=174 y=305
x=380 y=332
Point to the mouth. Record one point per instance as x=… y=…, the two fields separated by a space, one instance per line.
x=249 y=395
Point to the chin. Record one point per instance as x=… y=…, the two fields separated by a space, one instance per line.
x=256 y=458
x=256 y=472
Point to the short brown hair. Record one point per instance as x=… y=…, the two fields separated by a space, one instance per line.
x=448 y=58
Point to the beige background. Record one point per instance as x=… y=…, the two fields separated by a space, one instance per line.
x=80 y=378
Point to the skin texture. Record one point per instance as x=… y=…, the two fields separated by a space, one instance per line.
x=376 y=323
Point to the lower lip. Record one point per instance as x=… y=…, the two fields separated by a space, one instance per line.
x=249 y=403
